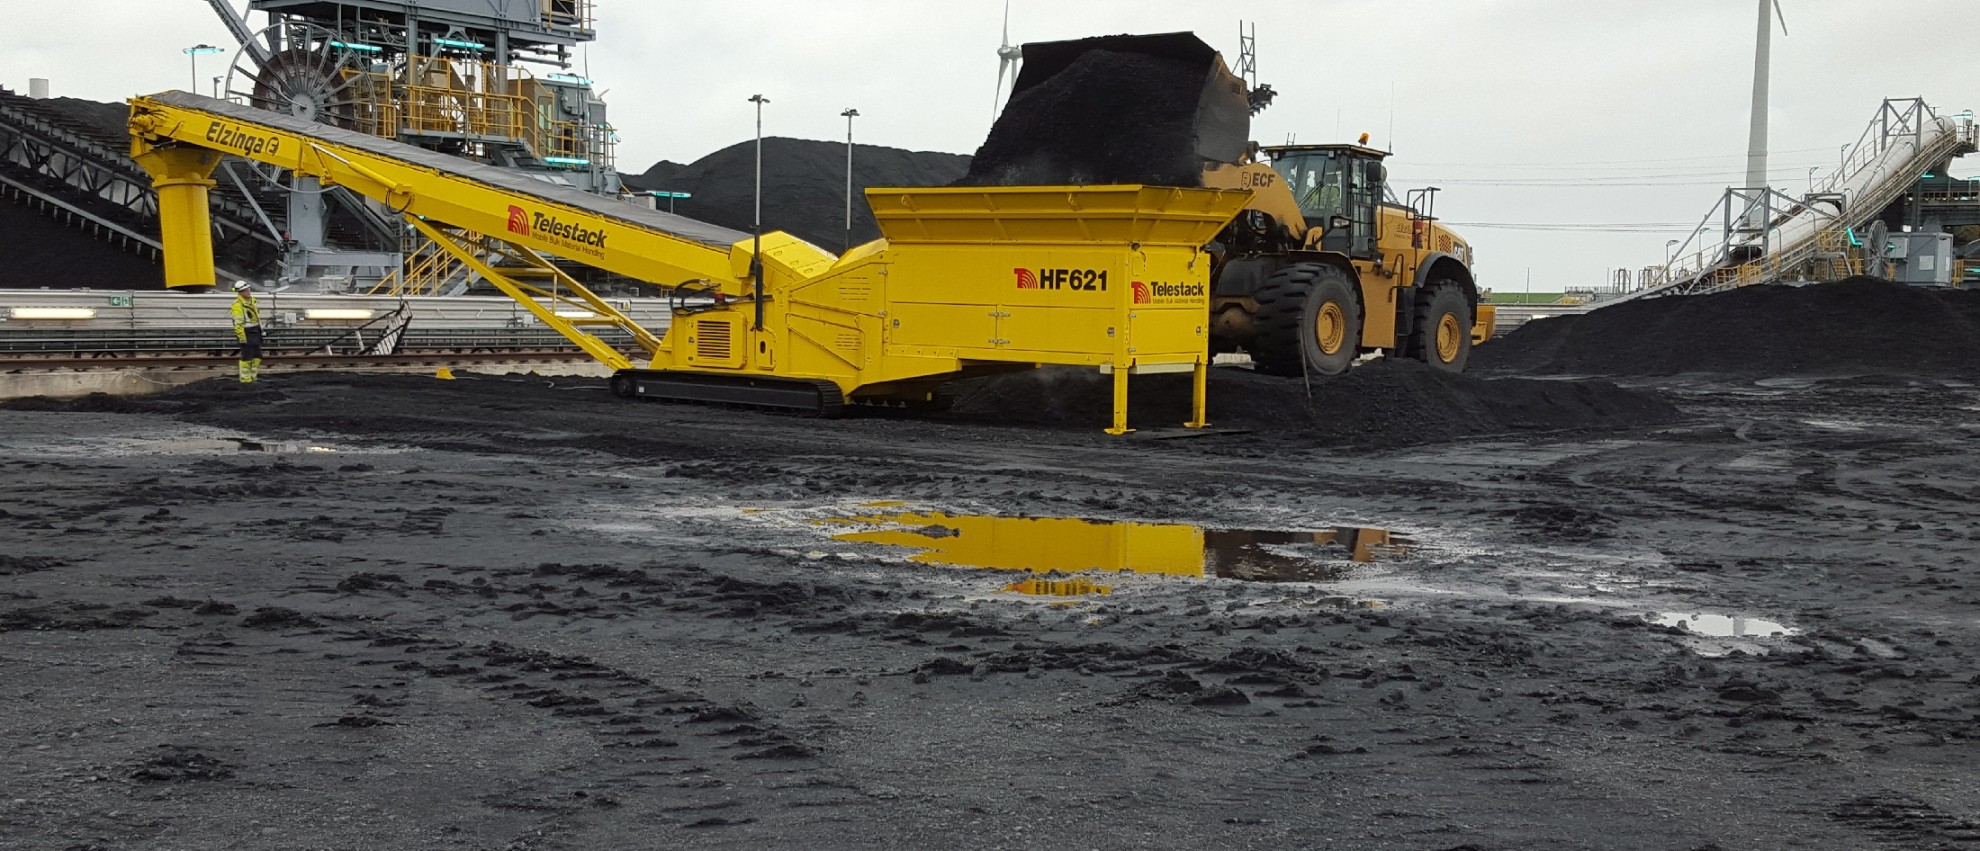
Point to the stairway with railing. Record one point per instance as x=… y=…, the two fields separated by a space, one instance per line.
x=428 y=269
x=1761 y=235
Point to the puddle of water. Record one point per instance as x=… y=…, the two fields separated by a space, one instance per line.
x=202 y=446
x=1059 y=588
x=1072 y=545
x=1721 y=626
x=282 y=446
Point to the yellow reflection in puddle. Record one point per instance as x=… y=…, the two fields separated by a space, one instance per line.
x=1072 y=545
x=1058 y=588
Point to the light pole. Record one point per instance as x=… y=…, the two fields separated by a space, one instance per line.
x=216 y=88
x=1811 y=178
x=194 y=52
x=1669 y=258
x=849 y=115
x=756 y=246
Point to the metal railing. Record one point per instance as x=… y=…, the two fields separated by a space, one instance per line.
x=568 y=14
x=1762 y=235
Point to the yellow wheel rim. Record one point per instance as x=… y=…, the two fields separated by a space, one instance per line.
x=1330 y=327
x=1450 y=338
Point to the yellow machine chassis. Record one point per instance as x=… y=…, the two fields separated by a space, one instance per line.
x=965 y=280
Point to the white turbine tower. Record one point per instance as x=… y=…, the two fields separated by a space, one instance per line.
x=1756 y=149
x=1008 y=57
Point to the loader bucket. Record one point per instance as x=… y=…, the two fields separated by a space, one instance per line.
x=1125 y=109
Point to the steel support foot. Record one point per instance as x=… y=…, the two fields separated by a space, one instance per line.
x=1199 y=396
x=1120 y=401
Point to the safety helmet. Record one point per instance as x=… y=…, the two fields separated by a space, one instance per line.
x=241 y=286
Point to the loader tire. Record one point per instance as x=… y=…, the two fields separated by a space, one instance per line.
x=1307 y=313
x=1442 y=337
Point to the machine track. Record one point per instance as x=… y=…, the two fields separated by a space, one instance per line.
x=821 y=399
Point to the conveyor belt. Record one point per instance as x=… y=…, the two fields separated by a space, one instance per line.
x=505 y=179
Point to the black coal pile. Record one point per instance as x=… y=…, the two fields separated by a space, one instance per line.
x=47 y=248
x=804 y=185
x=107 y=124
x=1108 y=118
x=1381 y=403
x=1851 y=327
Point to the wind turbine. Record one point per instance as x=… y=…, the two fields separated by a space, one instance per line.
x=1008 y=57
x=1756 y=149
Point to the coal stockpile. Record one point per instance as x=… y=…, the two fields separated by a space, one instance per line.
x=42 y=250
x=1108 y=118
x=46 y=246
x=1851 y=327
x=106 y=123
x=804 y=185
x=1381 y=403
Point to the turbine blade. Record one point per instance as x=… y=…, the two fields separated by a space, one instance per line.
x=1780 y=17
x=1007 y=23
x=997 y=97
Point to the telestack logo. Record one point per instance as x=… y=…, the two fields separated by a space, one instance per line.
x=567 y=236
x=1025 y=279
x=1156 y=292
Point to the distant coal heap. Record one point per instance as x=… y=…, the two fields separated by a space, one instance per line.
x=804 y=185
x=1856 y=326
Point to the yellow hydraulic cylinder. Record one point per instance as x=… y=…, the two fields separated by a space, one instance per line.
x=182 y=176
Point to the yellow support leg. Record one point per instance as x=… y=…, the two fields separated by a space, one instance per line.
x=1199 y=397
x=185 y=223
x=526 y=296
x=1120 y=401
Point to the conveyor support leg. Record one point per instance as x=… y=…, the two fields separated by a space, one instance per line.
x=1199 y=396
x=185 y=223
x=1120 y=401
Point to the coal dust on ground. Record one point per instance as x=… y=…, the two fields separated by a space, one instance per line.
x=518 y=612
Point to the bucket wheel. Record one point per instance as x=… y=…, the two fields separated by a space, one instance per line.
x=1309 y=321
x=312 y=73
x=1442 y=337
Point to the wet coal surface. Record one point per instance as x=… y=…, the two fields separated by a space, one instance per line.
x=556 y=622
x=1853 y=327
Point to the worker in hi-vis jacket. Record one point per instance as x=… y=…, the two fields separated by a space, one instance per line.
x=247 y=330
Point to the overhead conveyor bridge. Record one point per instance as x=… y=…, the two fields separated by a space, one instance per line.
x=965 y=281
x=1760 y=235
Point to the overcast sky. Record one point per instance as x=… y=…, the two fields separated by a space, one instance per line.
x=1642 y=106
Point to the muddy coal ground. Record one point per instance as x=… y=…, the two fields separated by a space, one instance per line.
x=512 y=612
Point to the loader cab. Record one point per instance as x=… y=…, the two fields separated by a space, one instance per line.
x=1338 y=188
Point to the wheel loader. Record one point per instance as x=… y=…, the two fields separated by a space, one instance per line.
x=1324 y=264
